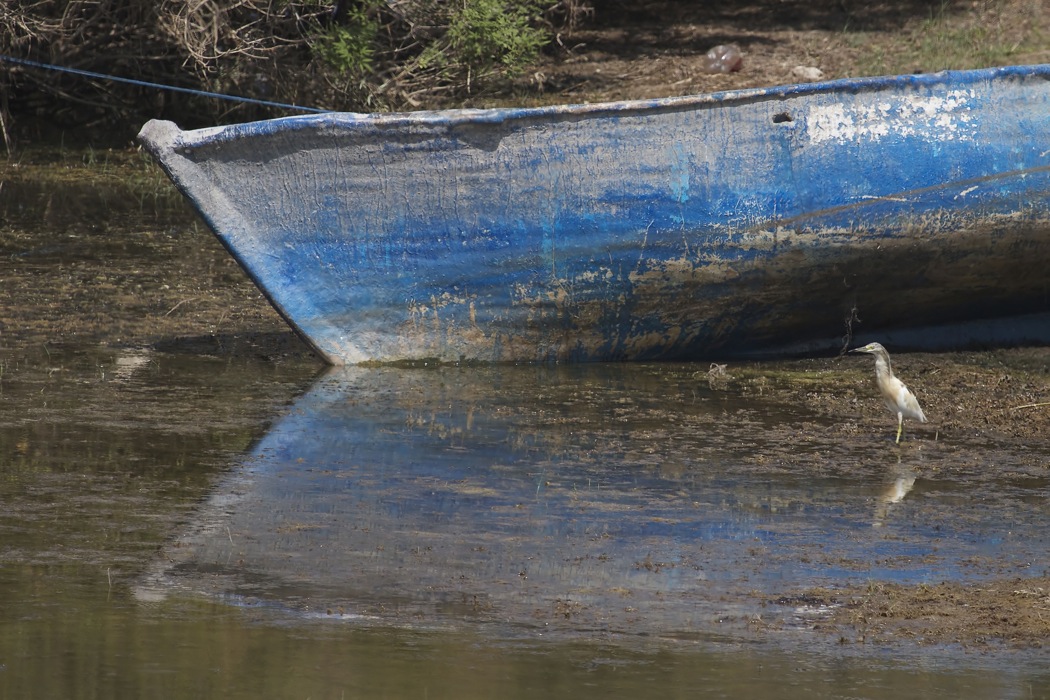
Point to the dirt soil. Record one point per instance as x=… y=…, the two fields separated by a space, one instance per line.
x=656 y=48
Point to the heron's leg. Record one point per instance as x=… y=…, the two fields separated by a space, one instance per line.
x=900 y=426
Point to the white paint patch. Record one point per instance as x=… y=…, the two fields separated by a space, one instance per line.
x=948 y=117
x=965 y=192
x=884 y=199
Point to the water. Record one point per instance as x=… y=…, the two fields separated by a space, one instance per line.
x=193 y=507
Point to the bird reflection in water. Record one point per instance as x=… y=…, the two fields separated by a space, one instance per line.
x=903 y=483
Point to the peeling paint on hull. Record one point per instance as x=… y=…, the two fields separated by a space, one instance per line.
x=696 y=227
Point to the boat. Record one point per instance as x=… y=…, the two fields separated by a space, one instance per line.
x=697 y=227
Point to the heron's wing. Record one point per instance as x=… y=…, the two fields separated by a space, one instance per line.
x=908 y=404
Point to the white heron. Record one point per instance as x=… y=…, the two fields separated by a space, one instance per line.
x=894 y=394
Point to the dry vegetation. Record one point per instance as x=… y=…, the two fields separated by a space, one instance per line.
x=343 y=54
x=377 y=55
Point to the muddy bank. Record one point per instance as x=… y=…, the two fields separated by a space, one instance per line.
x=990 y=411
x=1013 y=614
x=1001 y=394
x=100 y=249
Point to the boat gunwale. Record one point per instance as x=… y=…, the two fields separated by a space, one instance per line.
x=216 y=135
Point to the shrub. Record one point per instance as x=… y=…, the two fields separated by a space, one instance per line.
x=349 y=47
x=484 y=34
x=336 y=54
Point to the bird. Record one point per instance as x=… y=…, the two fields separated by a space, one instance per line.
x=894 y=394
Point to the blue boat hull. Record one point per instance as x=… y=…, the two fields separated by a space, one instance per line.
x=694 y=227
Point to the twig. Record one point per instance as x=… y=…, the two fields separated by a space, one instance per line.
x=1031 y=405
x=179 y=304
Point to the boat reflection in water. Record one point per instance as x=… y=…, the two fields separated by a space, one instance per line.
x=631 y=499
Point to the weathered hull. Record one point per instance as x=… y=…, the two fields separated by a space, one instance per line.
x=679 y=228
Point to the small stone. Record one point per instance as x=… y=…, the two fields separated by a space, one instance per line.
x=807 y=73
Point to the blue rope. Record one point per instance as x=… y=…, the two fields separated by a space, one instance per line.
x=158 y=86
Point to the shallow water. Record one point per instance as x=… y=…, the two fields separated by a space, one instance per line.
x=193 y=507
x=623 y=498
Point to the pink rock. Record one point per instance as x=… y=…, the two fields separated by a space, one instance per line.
x=724 y=58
